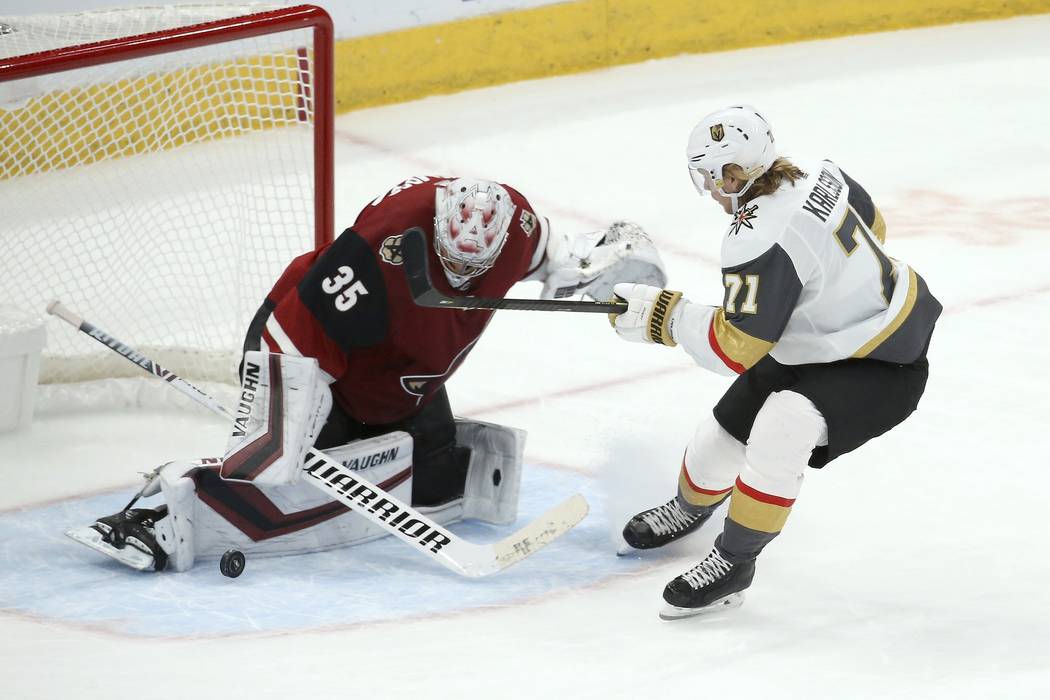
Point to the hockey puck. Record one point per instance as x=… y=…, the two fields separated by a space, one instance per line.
x=232 y=563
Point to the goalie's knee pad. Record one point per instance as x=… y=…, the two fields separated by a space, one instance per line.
x=494 y=472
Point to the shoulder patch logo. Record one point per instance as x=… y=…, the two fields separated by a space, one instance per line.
x=744 y=217
x=718 y=132
x=391 y=250
x=528 y=222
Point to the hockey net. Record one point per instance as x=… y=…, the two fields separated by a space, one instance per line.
x=159 y=167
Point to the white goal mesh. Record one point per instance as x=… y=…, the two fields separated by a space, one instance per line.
x=158 y=196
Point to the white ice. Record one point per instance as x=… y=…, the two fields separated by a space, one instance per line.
x=916 y=567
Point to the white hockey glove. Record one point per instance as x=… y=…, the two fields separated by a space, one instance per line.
x=284 y=403
x=651 y=314
x=591 y=263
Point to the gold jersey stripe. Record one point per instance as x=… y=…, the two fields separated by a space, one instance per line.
x=737 y=345
x=878 y=227
x=902 y=315
x=696 y=496
x=756 y=515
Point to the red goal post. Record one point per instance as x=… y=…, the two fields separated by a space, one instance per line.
x=161 y=173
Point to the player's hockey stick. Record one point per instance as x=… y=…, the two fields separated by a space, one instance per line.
x=375 y=504
x=417 y=269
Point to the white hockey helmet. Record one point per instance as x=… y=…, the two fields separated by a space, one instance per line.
x=471 y=219
x=736 y=134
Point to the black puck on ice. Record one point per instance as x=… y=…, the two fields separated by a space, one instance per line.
x=232 y=563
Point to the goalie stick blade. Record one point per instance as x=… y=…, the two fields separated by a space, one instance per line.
x=482 y=560
x=423 y=534
x=417 y=270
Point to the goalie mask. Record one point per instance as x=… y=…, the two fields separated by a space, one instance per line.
x=737 y=135
x=471 y=219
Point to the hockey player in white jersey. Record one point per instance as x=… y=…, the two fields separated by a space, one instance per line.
x=827 y=334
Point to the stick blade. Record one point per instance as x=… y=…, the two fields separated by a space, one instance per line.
x=417 y=268
x=540 y=532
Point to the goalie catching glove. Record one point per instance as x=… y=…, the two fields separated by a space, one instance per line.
x=591 y=263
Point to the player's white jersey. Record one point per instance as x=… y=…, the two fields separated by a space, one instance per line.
x=807 y=280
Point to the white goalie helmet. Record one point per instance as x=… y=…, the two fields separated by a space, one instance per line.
x=736 y=134
x=471 y=219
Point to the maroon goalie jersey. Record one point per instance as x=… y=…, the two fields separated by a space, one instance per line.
x=348 y=305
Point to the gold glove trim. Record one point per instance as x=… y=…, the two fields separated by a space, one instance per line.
x=660 y=318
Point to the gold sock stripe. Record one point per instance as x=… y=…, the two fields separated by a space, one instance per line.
x=752 y=513
x=659 y=332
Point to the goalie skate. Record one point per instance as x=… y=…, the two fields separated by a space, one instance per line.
x=126 y=536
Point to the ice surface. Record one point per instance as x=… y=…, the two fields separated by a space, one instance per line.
x=913 y=568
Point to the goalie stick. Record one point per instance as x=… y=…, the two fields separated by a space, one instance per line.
x=370 y=501
x=417 y=269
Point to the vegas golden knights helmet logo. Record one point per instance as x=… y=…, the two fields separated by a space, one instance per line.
x=717 y=132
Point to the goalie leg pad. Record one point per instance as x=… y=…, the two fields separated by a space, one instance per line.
x=266 y=521
x=494 y=474
x=175 y=533
x=284 y=403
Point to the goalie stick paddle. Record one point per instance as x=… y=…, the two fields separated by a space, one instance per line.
x=370 y=501
x=417 y=269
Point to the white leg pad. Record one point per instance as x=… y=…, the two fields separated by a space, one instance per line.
x=786 y=430
x=384 y=460
x=494 y=474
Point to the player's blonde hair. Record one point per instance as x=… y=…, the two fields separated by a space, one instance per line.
x=770 y=181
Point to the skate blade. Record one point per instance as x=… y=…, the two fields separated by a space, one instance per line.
x=733 y=600
x=625 y=550
x=129 y=556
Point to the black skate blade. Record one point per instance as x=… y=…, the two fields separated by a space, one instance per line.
x=673 y=612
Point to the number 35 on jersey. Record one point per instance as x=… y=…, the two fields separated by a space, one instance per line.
x=345 y=287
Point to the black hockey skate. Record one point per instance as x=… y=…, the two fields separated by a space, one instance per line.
x=134 y=528
x=658 y=526
x=713 y=584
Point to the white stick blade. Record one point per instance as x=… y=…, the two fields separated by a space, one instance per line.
x=541 y=532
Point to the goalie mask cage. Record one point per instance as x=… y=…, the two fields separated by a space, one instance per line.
x=159 y=167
